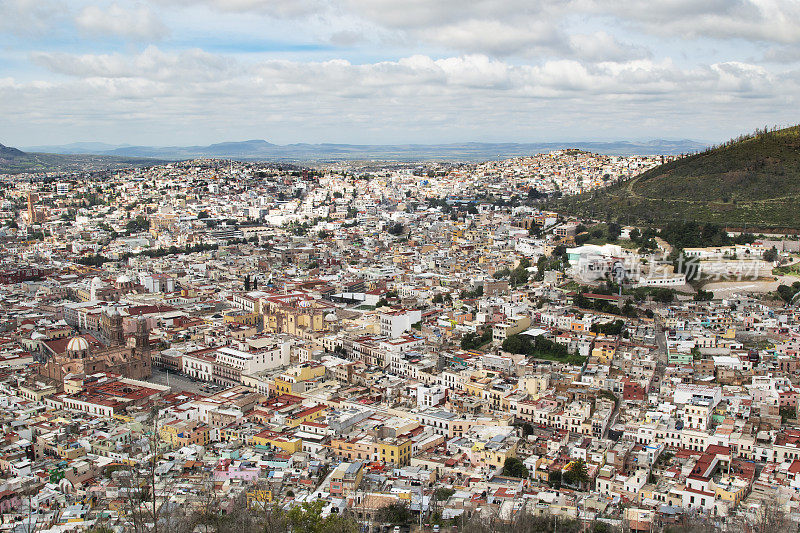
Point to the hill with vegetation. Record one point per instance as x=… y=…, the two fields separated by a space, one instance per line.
x=15 y=161
x=751 y=182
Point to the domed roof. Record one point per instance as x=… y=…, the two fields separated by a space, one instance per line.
x=96 y=281
x=123 y=279
x=77 y=344
x=331 y=317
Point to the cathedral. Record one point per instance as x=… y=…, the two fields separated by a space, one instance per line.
x=85 y=355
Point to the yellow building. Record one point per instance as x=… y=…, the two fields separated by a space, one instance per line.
x=306 y=415
x=68 y=450
x=540 y=472
x=241 y=317
x=730 y=490
x=180 y=433
x=396 y=452
x=270 y=439
x=475 y=388
x=295 y=314
x=535 y=385
x=292 y=380
x=604 y=352
x=258 y=498
x=493 y=457
x=512 y=326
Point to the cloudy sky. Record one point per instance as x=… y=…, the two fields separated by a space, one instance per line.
x=179 y=72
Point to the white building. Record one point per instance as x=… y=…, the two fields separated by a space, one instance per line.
x=395 y=323
x=430 y=396
x=157 y=282
x=274 y=356
x=687 y=393
x=200 y=366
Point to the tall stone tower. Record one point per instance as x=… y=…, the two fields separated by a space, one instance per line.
x=142 y=337
x=112 y=327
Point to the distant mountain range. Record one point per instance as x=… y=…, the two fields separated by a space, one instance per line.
x=472 y=151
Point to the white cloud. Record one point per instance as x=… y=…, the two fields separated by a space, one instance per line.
x=427 y=70
x=758 y=20
x=26 y=17
x=782 y=54
x=137 y=23
x=151 y=64
x=463 y=86
x=495 y=38
x=752 y=20
x=600 y=46
x=273 y=8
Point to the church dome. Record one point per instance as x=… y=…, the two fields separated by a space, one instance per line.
x=77 y=344
x=331 y=317
x=123 y=279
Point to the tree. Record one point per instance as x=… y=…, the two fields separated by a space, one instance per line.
x=771 y=255
x=513 y=467
x=516 y=344
x=396 y=229
x=609 y=328
x=146 y=506
x=247 y=282
x=138 y=224
x=521 y=521
x=477 y=292
x=787 y=292
x=628 y=309
x=307 y=518
x=502 y=273
x=703 y=296
x=614 y=231
x=396 y=513
x=576 y=474
x=443 y=493
x=519 y=275
x=470 y=341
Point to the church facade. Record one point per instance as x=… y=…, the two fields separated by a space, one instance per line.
x=84 y=355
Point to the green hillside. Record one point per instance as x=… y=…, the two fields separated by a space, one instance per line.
x=14 y=161
x=751 y=182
